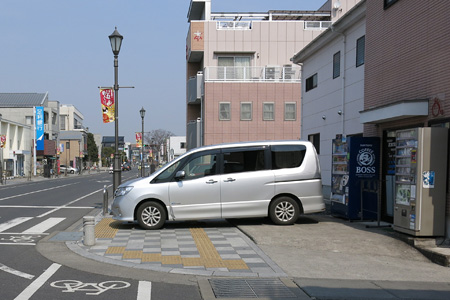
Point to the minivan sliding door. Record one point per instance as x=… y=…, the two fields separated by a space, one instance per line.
x=247 y=184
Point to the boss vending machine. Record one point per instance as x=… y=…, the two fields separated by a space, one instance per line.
x=420 y=181
x=355 y=161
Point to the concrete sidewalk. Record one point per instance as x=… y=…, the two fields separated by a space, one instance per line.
x=320 y=257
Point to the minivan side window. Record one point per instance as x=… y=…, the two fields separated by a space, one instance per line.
x=201 y=166
x=243 y=161
x=167 y=174
x=287 y=156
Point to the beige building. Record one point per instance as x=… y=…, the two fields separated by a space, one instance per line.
x=241 y=84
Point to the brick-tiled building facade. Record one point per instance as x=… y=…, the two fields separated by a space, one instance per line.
x=407 y=69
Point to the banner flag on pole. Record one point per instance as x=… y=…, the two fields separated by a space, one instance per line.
x=139 y=139
x=39 y=128
x=108 y=105
x=2 y=141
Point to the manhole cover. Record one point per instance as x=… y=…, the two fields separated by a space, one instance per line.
x=250 y=288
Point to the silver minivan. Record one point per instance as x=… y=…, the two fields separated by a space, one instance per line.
x=279 y=179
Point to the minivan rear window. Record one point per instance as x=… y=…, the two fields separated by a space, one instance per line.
x=287 y=156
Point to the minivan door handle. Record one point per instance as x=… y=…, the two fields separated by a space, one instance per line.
x=211 y=181
x=229 y=180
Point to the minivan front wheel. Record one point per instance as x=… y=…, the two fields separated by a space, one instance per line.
x=151 y=215
x=284 y=211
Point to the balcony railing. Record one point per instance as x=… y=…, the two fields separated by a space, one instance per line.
x=317 y=25
x=287 y=73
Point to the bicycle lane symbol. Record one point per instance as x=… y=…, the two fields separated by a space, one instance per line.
x=72 y=286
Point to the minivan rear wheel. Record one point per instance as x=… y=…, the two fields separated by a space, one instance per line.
x=151 y=215
x=284 y=211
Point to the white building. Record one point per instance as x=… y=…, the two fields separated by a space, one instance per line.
x=333 y=85
x=17 y=110
x=176 y=146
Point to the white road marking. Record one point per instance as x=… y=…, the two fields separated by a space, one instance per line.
x=13 y=222
x=15 y=272
x=65 y=205
x=44 y=226
x=144 y=290
x=35 y=206
x=36 y=284
x=34 y=192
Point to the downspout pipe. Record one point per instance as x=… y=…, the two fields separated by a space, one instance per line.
x=344 y=38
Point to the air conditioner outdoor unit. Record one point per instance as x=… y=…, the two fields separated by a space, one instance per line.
x=270 y=72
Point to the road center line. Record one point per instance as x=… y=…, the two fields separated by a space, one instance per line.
x=65 y=205
x=34 y=192
x=15 y=272
x=36 y=284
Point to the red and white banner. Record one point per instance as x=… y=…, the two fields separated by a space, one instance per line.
x=108 y=107
x=139 y=139
x=2 y=141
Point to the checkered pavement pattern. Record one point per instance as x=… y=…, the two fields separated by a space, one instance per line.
x=217 y=249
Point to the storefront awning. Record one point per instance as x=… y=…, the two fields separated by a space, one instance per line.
x=395 y=111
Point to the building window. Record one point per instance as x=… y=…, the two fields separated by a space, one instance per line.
x=29 y=120
x=234 y=68
x=182 y=145
x=389 y=3
x=337 y=64
x=268 y=111
x=360 y=50
x=224 y=111
x=290 y=111
x=62 y=122
x=315 y=140
x=311 y=82
x=246 y=111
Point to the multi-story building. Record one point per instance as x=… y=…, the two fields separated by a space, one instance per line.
x=72 y=137
x=333 y=85
x=18 y=109
x=241 y=84
x=407 y=75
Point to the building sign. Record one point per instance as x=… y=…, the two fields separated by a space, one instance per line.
x=108 y=107
x=366 y=151
x=39 y=127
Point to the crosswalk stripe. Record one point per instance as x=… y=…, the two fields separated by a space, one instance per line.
x=44 y=225
x=13 y=222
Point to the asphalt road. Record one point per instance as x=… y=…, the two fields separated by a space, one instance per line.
x=37 y=210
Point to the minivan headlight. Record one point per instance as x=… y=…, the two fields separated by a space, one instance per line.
x=122 y=191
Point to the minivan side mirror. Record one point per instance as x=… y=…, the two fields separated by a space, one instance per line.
x=180 y=175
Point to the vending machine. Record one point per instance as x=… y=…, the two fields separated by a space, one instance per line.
x=420 y=181
x=355 y=162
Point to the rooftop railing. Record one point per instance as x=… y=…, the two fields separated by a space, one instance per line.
x=234 y=25
x=287 y=73
x=317 y=25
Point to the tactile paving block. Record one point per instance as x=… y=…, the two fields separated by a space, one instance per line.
x=106 y=229
x=115 y=250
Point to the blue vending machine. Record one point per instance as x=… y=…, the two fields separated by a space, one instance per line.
x=355 y=177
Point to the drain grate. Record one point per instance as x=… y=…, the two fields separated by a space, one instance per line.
x=250 y=288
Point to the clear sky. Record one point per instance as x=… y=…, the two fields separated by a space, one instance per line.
x=62 y=47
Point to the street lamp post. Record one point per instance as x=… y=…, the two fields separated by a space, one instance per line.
x=142 y=112
x=116 y=41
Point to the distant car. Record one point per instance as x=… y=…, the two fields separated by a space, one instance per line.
x=126 y=167
x=71 y=170
x=111 y=170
